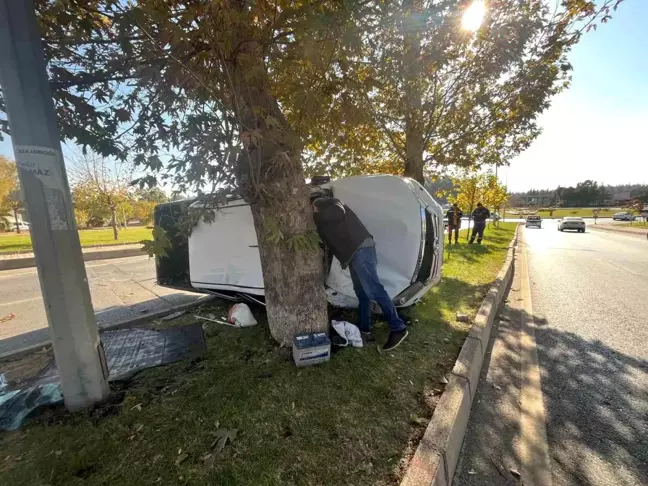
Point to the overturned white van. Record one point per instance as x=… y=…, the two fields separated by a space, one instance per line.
x=222 y=257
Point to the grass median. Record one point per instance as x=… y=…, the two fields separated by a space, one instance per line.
x=567 y=212
x=634 y=224
x=355 y=420
x=93 y=237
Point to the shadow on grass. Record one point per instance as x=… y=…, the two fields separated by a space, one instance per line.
x=595 y=403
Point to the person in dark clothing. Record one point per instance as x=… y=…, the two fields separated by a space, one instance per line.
x=351 y=243
x=454 y=215
x=480 y=215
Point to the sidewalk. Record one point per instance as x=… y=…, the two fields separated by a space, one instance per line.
x=122 y=290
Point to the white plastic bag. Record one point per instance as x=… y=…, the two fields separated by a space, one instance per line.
x=241 y=316
x=348 y=331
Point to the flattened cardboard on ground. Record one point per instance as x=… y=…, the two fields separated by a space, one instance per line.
x=127 y=352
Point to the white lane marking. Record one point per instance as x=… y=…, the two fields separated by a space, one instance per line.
x=534 y=449
x=20 y=301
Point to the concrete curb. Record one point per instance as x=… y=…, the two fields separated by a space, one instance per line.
x=19 y=353
x=26 y=262
x=436 y=457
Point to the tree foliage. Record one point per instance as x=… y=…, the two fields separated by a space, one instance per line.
x=11 y=203
x=100 y=191
x=472 y=187
x=427 y=94
x=584 y=194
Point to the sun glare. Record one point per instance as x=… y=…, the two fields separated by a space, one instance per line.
x=474 y=15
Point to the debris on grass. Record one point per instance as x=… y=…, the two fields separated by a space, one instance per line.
x=241 y=316
x=181 y=458
x=443 y=380
x=461 y=317
x=173 y=315
x=211 y=318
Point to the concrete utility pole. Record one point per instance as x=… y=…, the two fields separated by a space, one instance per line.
x=37 y=148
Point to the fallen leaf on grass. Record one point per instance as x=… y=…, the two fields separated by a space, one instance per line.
x=364 y=467
x=415 y=419
x=181 y=458
x=222 y=437
x=137 y=407
x=443 y=380
x=515 y=472
x=472 y=472
x=139 y=427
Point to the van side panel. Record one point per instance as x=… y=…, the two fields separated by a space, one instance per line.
x=224 y=254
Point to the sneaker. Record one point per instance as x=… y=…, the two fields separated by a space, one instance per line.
x=394 y=339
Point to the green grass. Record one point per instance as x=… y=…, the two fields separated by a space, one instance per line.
x=94 y=237
x=582 y=212
x=634 y=224
x=353 y=421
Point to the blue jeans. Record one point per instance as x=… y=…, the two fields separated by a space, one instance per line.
x=367 y=287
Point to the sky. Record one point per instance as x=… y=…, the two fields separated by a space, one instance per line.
x=598 y=127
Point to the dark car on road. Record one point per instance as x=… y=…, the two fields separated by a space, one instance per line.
x=534 y=221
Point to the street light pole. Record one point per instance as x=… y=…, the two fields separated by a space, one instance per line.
x=64 y=285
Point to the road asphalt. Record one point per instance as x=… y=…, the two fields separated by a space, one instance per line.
x=122 y=289
x=586 y=294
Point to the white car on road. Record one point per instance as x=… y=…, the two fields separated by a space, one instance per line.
x=623 y=217
x=572 y=223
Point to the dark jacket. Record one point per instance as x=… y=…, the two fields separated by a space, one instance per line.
x=340 y=229
x=480 y=215
x=454 y=218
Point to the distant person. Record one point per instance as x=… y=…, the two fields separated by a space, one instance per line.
x=351 y=243
x=454 y=215
x=480 y=215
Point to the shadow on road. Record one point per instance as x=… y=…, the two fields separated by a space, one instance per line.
x=596 y=406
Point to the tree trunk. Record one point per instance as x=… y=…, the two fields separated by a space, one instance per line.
x=413 y=95
x=113 y=214
x=16 y=220
x=270 y=175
